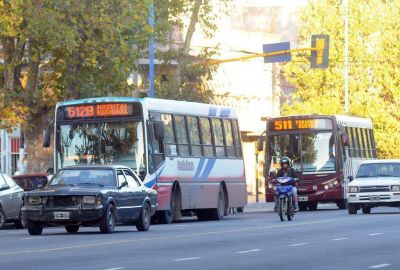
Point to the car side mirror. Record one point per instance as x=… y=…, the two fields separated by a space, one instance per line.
x=4 y=187
x=124 y=184
x=351 y=178
x=159 y=130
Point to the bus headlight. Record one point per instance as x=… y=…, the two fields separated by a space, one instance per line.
x=353 y=189
x=395 y=188
x=89 y=199
x=34 y=200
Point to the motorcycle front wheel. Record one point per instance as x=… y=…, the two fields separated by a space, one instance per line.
x=290 y=211
x=281 y=209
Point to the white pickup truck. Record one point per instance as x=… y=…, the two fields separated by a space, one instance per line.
x=377 y=183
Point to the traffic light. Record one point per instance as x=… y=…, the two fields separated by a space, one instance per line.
x=320 y=54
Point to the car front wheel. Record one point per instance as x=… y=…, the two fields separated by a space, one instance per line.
x=143 y=223
x=33 y=227
x=107 y=222
x=2 y=219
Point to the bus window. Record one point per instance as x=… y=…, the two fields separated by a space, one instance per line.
x=236 y=138
x=194 y=135
x=354 y=142
x=206 y=137
x=368 y=141
x=170 y=141
x=181 y=135
x=155 y=148
x=229 y=138
x=218 y=137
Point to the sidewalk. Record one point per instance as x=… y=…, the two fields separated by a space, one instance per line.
x=260 y=206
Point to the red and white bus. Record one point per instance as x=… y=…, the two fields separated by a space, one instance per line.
x=325 y=149
x=189 y=152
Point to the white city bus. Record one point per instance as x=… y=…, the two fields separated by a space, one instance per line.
x=189 y=152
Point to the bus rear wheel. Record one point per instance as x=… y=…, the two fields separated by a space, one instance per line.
x=219 y=212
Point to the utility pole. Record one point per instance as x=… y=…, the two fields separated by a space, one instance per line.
x=346 y=56
x=151 y=50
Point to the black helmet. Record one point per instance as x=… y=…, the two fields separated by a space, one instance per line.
x=285 y=160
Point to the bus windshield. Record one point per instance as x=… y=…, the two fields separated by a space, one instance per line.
x=312 y=152
x=120 y=143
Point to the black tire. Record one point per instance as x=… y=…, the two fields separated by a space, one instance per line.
x=366 y=210
x=21 y=222
x=72 y=228
x=165 y=217
x=143 y=223
x=240 y=209
x=290 y=210
x=341 y=204
x=219 y=212
x=351 y=209
x=107 y=222
x=312 y=206
x=33 y=227
x=303 y=206
x=281 y=209
x=2 y=219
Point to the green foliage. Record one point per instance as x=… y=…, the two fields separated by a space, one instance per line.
x=374 y=84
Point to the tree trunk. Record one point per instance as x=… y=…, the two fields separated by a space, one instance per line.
x=39 y=159
x=188 y=39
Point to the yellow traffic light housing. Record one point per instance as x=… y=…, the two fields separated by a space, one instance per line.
x=320 y=51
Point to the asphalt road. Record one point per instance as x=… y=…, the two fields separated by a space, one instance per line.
x=327 y=239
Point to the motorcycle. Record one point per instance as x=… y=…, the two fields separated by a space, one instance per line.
x=284 y=197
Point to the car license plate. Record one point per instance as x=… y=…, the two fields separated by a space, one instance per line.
x=303 y=199
x=374 y=198
x=61 y=215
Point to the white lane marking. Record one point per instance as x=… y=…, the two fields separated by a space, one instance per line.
x=108 y=243
x=379 y=266
x=186 y=259
x=340 y=239
x=29 y=238
x=181 y=225
x=116 y=268
x=248 y=251
x=372 y=234
x=299 y=244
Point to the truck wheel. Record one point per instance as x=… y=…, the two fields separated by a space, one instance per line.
x=72 y=228
x=33 y=227
x=366 y=210
x=352 y=209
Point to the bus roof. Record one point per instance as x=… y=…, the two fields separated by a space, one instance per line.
x=343 y=120
x=163 y=105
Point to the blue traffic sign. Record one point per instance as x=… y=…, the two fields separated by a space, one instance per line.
x=277 y=47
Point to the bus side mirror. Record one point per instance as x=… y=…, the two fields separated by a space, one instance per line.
x=345 y=139
x=47 y=137
x=159 y=130
x=260 y=144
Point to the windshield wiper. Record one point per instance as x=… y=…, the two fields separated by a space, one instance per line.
x=86 y=183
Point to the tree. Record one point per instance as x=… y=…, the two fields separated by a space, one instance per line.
x=186 y=81
x=65 y=49
x=374 y=71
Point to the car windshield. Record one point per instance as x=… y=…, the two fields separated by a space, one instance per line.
x=83 y=143
x=78 y=177
x=310 y=152
x=379 y=170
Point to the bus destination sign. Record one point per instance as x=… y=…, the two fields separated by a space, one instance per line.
x=299 y=124
x=98 y=110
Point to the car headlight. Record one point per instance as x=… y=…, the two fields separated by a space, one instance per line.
x=335 y=182
x=34 y=200
x=395 y=188
x=326 y=187
x=270 y=185
x=353 y=189
x=274 y=187
x=89 y=200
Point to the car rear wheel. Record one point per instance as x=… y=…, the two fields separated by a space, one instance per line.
x=366 y=210
x=72 y=228
x=2 y=219
x=143 y=223
x=33 y=227
x=107 y=222
x=20 y=223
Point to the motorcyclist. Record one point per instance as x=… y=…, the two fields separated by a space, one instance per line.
x=286 y=170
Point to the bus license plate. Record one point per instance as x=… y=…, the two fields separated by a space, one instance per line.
x=303 y=199
x=61 y=215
